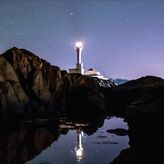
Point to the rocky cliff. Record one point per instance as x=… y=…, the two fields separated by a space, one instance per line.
x=30 y=84
x=12 y=95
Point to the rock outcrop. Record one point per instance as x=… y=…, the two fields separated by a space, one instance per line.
x=141 y=96
x=12 y=95
x=40 y=81
x=29 y=84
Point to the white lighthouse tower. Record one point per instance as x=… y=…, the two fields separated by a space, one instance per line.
x=79 y=65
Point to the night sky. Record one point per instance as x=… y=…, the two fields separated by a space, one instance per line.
x=122 y=39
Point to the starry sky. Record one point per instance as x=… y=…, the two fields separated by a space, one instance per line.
x=122 y=38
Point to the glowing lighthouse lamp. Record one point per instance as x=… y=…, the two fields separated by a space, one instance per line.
x=78 y=47
x=79 y=65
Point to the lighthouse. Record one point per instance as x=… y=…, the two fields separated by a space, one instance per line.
x=78 y=47
x=79 y=65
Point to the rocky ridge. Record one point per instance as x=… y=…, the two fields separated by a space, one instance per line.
x=30 y=84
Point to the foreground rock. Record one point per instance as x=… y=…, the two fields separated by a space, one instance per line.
x=141 y=103
x=145 y=141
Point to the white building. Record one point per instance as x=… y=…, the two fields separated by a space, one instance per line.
x=79 y=65
x=93 y=73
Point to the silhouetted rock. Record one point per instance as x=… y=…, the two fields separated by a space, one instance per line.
x=118 y=131
x=141 y=96
x=146 y=142
x=147 y=81
x=141 y=103
x=125 y=157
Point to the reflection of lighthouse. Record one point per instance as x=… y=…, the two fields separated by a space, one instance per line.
x=79 y=65
x=79 y=148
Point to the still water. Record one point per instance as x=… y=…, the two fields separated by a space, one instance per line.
x=80 y=145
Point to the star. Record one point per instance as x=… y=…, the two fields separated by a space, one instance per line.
x=71 y=13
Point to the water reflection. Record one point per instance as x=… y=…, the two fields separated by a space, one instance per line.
x=69 y=148
x=60 y=141
x=79 y=149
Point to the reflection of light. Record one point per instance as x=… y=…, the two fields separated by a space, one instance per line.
x=79 y=153
x=79 y=148
x=79 y=45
